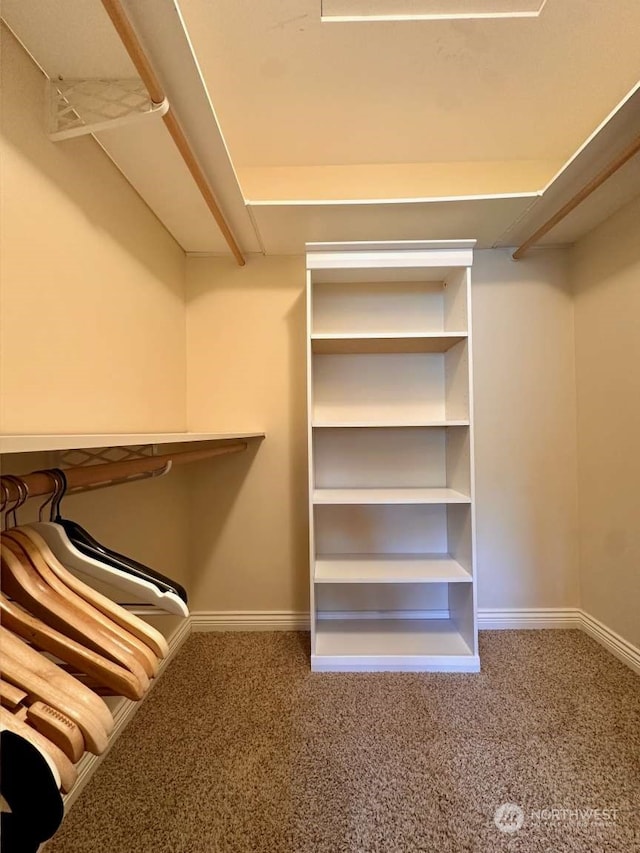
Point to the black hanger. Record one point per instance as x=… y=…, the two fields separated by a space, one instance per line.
x=86 y=544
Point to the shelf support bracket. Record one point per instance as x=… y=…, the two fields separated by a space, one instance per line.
x=80 y=107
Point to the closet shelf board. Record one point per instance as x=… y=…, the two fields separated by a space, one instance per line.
x=385 y=342
x=389 y=496
x=36 y=443
x=389 y=568
x=391 y=644
x=396 y=422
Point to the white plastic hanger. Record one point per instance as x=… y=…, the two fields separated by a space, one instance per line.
x=88 y=569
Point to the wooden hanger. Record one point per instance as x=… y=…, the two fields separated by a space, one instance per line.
x=118 y=680
x=43 y=681
x=58 y=728
x=46 y=669
x=22 y=546
x=21 y=581
x=136 y=626
x=55 y=726
x=10 y=696
x=66 y=771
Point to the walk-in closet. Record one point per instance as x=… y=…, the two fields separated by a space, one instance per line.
x=319 y=414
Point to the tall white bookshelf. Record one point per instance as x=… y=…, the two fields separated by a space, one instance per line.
x=390 y=435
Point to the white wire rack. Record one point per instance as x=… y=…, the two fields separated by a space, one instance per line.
x=78 y=107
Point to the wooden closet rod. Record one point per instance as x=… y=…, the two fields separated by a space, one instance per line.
x=39 y=483
x=139 y=58
x=629 y=152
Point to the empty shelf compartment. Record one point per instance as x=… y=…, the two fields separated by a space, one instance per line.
x=391 y=644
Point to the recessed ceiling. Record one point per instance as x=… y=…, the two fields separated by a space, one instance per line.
x=292 y=91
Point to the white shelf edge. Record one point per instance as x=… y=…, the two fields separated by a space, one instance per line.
x=376 y=245
x=35 y=443
x=387 y=343
x=395 y=663
x=447 y=256
x=387 y=425
x=426 y=496
x=365 y=336
x=387 y=569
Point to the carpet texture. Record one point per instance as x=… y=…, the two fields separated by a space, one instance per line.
x=241 y=749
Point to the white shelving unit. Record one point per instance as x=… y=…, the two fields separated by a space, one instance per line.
x=391 y=485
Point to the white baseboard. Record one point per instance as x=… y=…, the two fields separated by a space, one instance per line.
x=122 y=716
x=614 y=643
x=291 y=620
x=536 y=617
x=488 y=619
x=249 y=620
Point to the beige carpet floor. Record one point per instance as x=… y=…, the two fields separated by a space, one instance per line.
x=241 y=749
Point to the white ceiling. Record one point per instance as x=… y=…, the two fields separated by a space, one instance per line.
x=366 y=131
x=290 y=90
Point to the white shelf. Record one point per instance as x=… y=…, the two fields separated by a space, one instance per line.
x=385 y=342
x=389 y=496
x=36 y=443
x=389 y=568
x=391 y=644
x=396 y=422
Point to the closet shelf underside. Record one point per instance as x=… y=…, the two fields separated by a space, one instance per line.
x=385 y=342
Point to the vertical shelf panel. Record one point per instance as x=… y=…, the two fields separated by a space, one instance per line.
x=455 y=308
x=456 y=381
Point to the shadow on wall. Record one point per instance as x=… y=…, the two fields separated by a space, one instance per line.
x=247 y=370
x=525 y=430
x=593 y=263
x=78 y=168
x=299 y=480
x=213 y=496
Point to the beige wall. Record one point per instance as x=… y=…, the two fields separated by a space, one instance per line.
x=606 y=277
x=246 y=369
x=525 y=440
x=92 y=328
